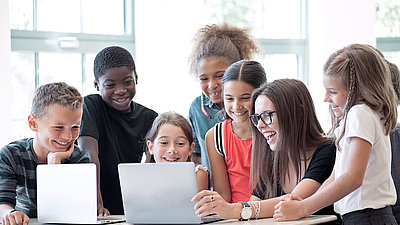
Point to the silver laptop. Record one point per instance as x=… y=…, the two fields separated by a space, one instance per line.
x=66 y=193
x=159 y=193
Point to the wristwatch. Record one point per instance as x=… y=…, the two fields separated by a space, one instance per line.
x=246 y=211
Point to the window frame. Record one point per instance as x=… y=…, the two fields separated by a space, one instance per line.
x=36 y=41
x=298 y=47
x=46 y=41
x=388 y=44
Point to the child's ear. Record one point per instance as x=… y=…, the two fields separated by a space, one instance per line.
x=150 y=146
x=32 y=122
x=96 y=85
x=191 y=148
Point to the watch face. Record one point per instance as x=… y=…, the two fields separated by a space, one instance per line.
x=246 y=213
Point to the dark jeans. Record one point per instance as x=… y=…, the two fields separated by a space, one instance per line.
x=381 y=216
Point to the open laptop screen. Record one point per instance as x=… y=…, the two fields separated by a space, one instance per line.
x=158 y=192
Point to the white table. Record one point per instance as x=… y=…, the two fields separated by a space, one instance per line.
x=313 y=219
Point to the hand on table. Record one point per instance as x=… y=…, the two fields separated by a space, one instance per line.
x=15 y=218
x=289 y=208
x=210 y=202
x=102 y=212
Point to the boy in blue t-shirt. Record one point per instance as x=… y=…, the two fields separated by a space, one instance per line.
x=113 y=126
x=55 y=118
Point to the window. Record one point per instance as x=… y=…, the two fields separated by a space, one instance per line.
x=57 y=41
x=283 y=43
x=388 y=31
x=163 y=38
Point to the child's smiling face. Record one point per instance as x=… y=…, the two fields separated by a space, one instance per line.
x=211 y=71
x=237 y=100
x=57 y=130
x=335 y=94
x=270 y=131
x=170 y=145
x=117 y=88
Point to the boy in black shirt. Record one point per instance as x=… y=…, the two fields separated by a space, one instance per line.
x=113 y=126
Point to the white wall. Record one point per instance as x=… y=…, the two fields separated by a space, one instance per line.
x=5 y=97
x=333 y=24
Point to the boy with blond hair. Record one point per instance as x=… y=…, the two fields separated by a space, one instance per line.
x=55 y=118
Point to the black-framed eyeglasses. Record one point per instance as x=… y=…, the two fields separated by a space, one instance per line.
x=264 y=116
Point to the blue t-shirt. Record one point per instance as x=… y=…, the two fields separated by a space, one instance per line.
x=201 y=123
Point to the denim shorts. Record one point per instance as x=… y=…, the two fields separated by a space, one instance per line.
x=380 y=216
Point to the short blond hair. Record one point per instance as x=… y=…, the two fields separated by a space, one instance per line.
x=55 y=93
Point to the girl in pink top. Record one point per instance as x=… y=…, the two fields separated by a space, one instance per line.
x=229 y=142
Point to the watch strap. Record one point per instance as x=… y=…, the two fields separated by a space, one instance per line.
x=245 y=204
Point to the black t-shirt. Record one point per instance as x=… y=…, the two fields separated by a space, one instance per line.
x=120 y=139
x=319 y=169
x=395 y=144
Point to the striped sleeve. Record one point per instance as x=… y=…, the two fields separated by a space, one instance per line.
x=78 y=156
x=219 y=139
x=8 y=184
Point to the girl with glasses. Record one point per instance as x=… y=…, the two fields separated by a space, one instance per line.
x=290 y=152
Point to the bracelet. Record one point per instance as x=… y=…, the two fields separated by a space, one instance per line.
x=258 y=209
x=14 y=210
x=253 y=210
x=201 y=167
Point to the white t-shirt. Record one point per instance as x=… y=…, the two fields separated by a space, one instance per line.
x=377 y=189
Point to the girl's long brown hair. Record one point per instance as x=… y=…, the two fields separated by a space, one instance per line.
x=299 y=133
x=366 y=75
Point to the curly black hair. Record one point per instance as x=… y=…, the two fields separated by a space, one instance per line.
x=113 y=57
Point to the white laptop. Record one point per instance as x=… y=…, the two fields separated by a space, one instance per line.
x=66 y=193
x=159 y=193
